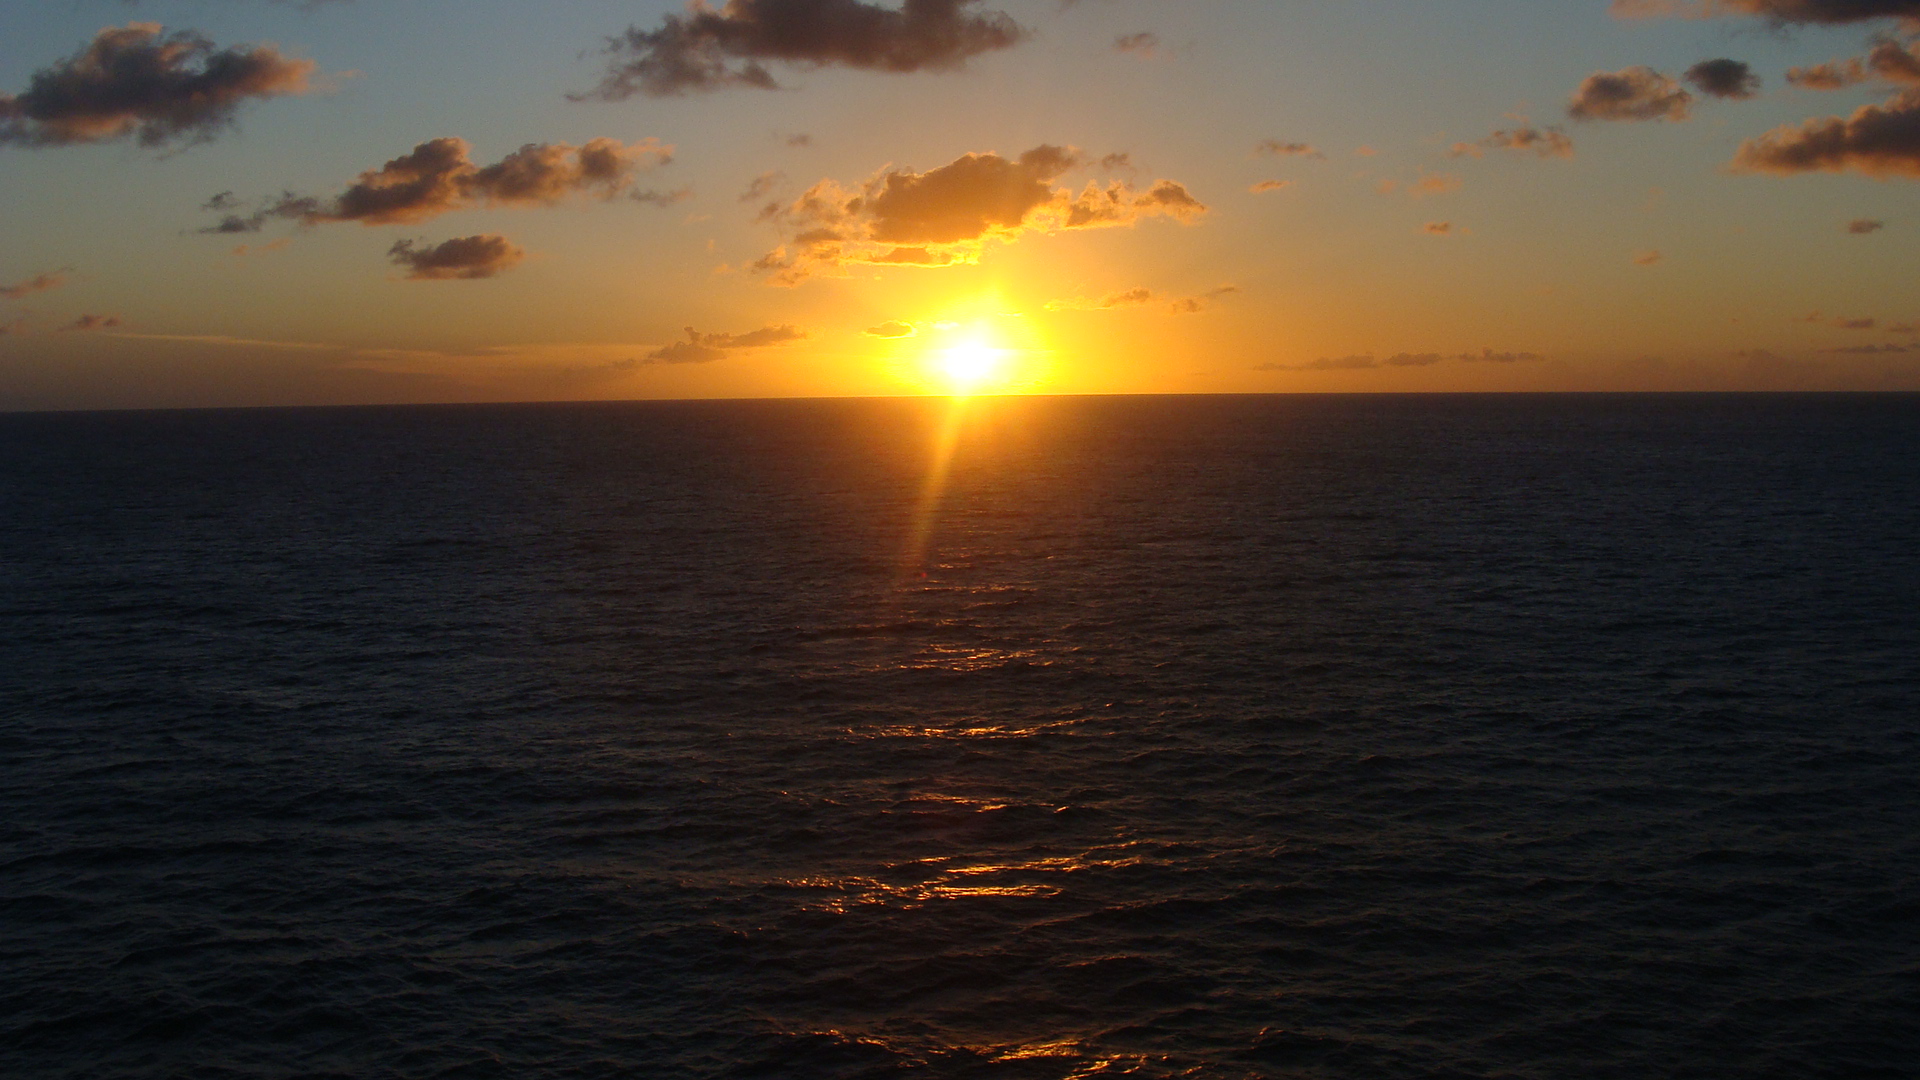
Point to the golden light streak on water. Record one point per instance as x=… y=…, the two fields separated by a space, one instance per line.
x=939 y=469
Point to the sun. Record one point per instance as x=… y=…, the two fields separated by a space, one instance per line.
x=971 y=363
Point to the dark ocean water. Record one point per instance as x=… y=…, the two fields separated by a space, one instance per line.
x=1212 y=737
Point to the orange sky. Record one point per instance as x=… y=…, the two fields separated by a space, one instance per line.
x=485 y=200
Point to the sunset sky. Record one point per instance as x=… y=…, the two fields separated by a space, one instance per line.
x=248 y=202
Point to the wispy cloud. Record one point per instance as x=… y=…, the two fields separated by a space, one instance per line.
x=702 y=348
x=39 y=283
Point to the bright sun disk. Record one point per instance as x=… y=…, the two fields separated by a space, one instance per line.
x=969 y=363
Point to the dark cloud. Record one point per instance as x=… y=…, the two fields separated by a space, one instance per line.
x=38 y=283
x=439 y=175
x=467 y=258
x=1144 y=45
x=1730 y=79
x=1548 y=142
x=945 y=215
x=893 y=330
x=704 y=348
x=92 y=322
x=974 y=195
x=708 y=48
x=1877 y=140
x=1890 y=60
x=1863 y=226
x=1276 y=148
x=136 y=80
x=1413 y=359
x=1779 y=11
x=1635 y=93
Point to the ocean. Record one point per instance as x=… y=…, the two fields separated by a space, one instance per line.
x=1211 y=737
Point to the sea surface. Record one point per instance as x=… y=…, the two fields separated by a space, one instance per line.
x=1329 y=737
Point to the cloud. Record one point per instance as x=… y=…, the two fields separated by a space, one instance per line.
x=1139 y=297
x=1635 y=93
x=38 y=283
x=1276 y=148
x=709 y=48
x=762 y=186
x=1543 y=142
x=1870 y=350
x=467 y=258
x=1779 y=11
x=1325 y=363
x=1863 y=226
x=245 y=250
x=1889 y=60
x=705 y=348
x=1877 y=140
x=1367 y=361
x=92 y=322
x=893 y=330
x=1488 y=356
x=946 y=215
x=1265 y=186
x=1145 y=46
x=160 y=88
x=1123 y=299
x=1856 y=324
x=1439 y=228
x=1729 y=79
x=1427 y=184
x=440 y=175
x=653 y=197
x=1648 y=258
x=1194 y=305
